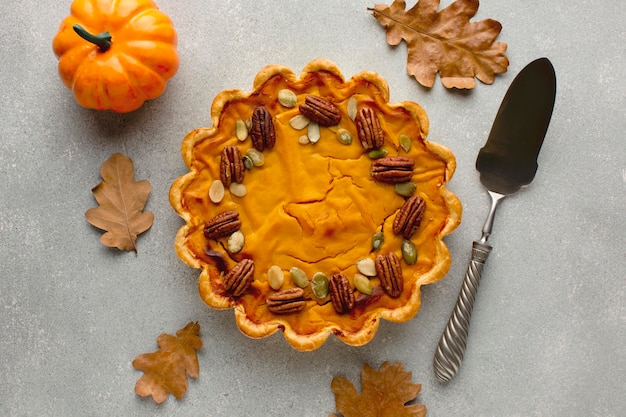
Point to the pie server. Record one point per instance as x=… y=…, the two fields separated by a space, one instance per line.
x=507 y=162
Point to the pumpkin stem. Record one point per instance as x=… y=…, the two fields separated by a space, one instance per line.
x=102 y=41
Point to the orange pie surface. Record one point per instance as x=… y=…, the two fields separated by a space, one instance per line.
x=314 y=206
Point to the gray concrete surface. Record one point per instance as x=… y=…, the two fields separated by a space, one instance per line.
x=549 y=327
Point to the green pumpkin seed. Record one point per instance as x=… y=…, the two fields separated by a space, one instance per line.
x=258 y=159
x=247 y=162
x=319 y=285
x=405 y=189
x=344 y=137
x=287 y=98
x=377 y=153
x=409 y=252
x=275 y=277
x=405 y=142
x=298 y=277
x=241 y=130
x=377 y=240
x=363 y=284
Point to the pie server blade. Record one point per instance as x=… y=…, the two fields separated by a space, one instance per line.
x=507 y=162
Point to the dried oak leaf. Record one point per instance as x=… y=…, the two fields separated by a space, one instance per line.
x=445 y=41
x=384 y=393
x=121 y=200
x=165 y=371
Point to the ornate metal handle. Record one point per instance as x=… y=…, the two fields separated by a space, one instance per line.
x=454 y=338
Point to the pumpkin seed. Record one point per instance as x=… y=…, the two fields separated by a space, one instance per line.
x=343 y=136
x=304 y=140
x=216 y=191
x=298 y=122
x=275 y=277
x=298 y=277
x=377 y=240
x=287 y=98
x=352 y=108
x=319 y=285
x=405 y=142
x=247 y=162
x=363 y=284
x=377 y=153
x=238 y=190
x=409 y=252
x=367 y=267
x=313 y=132
x=405 y=189
x=258 y=159
x=241 y=130
x=236 y=242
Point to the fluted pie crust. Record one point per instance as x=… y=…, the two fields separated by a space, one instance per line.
x=314 y=206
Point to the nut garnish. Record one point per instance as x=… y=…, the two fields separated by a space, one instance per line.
x=368 y=129
x=222 y=225
x=392 y=169
x=238 y=189
x=313 y=132
x=298 y=277
x=287 y=301
x=275 y=277
x=216 y=191
x=320 y=110
x=239 y=278
x=363 y=284
x=366 y=267
x=352 y=108
x=409 y=217
x=262 y=131
x=319 y=285
x=287 y=98
x=232 y=168
x=390 y=274
x=341 y=293
x=409 y=252
x=241 y=130
x=405 y=189
x=235 y=242
x=299 y=122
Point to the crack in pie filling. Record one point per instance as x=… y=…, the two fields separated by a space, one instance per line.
x=314 y=206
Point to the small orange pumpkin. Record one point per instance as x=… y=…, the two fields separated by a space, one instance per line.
x=116 y=54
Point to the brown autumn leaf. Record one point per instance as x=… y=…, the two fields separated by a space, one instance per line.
x=165 y=371
x=445 y=41
x=384 y=393
x=121 y=201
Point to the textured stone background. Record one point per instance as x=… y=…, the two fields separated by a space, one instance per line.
x=548 y=331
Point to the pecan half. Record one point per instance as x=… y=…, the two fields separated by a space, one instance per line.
x=389 y=272
x=231 y=166
x=262 y=131
x=368 y=129
x=392 y=169
x=239 y=278
x=409 y=217
x=286 y=301
x=224 y=224
x=341 y=293
x=321 y=111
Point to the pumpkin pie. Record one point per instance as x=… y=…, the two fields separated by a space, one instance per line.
x=314 y=206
